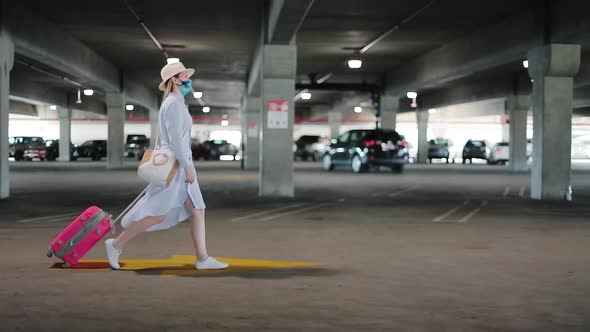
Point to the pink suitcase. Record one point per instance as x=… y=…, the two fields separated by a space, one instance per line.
x=83 y=233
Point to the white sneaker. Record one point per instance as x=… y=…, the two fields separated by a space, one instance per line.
x=210 y=264
x=112 y=254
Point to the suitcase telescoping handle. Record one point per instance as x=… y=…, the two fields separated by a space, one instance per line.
x=122 y=214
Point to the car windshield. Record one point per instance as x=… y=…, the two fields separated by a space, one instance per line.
x=478 y=143
x=440 y=141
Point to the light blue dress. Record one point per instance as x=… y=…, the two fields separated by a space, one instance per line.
x=175 y=134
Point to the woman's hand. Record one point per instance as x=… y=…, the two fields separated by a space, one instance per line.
x=190 y=174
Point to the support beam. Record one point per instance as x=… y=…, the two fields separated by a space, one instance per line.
x=422 y=122
x=485 y=49
x=285 y=18
x=37 y=39
x=116 y=123
x=65 y=132
x=251 y=132
x=518 y=107
x=552 y=68
x=6 y=63
x=389 y=109
x=278 y=89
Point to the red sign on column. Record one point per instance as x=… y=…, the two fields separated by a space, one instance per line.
x=278 y=113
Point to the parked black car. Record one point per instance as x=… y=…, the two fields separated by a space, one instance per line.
x=302 y=148
x=95 y=149
x=52 y=150
x=18 y=144
x=136 y=145
x=475 y=149
x=363 y=148
x=439 y=149
x=215 y=150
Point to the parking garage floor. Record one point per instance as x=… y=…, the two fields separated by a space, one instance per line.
x=438 y=248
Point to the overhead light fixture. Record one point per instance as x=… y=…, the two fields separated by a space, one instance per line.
x=432 y=110
x=172 y=60
x=224 y=123
x=306 y=96
x=129 y=107
x=53 y=107
x=355 y=62
x=197 y=94
x=413 y=95
x=358 y=109
x=88 y=92
x=206 y=109
x=525 y=63
x=79 y=100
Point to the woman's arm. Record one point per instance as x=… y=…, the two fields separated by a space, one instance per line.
x=174 y=119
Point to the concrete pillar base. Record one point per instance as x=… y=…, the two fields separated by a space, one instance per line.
x=6 y=63
x=276 y=141
x=116 y=123
x=422 y=122
x=552 y=68
x=251 y=133
x=518 y=107
x=389 y=109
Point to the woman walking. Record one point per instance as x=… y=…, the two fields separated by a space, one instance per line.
x=164 y=207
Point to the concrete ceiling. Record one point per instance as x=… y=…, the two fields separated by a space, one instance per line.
x=219 y=39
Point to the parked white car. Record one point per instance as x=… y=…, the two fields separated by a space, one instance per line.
x=500 y=153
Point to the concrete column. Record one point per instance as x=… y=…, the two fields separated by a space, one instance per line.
x=65 y=132
x=251 y=132
x=389 y=108
x=518 y=107
x=154 y=121
x=552 y=68
x=116 y=123
x=422 y=122
x=505 y=132
x=276 y=141
x=334 y=121
x=6 y=63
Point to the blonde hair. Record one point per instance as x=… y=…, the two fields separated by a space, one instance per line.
x=168 y=88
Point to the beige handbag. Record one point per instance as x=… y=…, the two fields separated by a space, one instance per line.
x=158 y=166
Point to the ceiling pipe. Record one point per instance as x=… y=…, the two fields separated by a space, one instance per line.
x=380 y=37
x=150 y=34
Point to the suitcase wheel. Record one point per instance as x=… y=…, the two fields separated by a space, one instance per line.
x=49 y=252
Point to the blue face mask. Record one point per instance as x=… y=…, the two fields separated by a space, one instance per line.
x=185 y=87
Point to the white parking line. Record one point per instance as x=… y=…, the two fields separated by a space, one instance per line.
x=396 y=193
x=473 y=213
x=506 y=191
x=449 y=213
x=521 y=192
x=292 y=206
x=294 y=211
x=50 y=218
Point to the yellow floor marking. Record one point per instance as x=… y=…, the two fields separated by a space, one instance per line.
x=180 y=265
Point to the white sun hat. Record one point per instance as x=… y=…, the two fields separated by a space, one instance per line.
x=171 y=70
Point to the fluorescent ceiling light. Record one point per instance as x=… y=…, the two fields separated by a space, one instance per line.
x=432 y=110
x=129 y=107
x=306 y=96
x=53 y=107
x=358 y=109
x=206 y=109
x=355 y=63
x=172 y=60
x=412 y=95
x=197 y=94
x=525 y=63
x=88 y=92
